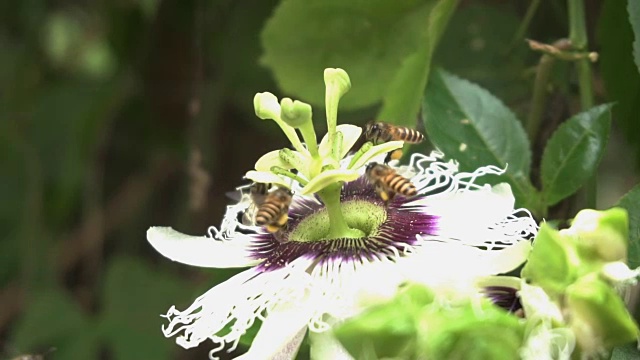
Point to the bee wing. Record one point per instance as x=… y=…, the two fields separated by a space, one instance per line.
x=235 y=195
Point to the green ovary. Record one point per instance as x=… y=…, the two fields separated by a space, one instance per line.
x=359 y=215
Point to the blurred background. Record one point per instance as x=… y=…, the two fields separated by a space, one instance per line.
x=120 y=115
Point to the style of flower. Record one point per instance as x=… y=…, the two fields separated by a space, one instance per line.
x=343 y=247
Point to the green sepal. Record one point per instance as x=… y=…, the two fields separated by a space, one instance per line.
x=598 y=314
x=387 y=330
x=601 y=234
x=474 y=330
x=552 y=263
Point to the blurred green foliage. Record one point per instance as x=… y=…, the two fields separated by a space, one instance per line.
x=104 y=104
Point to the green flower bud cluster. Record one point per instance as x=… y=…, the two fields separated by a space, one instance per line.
x=414 y=325
x=568 y=291
x=580 y=269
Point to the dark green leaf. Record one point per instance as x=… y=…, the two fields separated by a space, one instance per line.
x=626 y=352
x=134 y=298
x=53 y=320
x=633 y=7
x=573 y=153
x=402 y=101
x=475 y=45
x=472 y=126
x=631 y=202
x=620 y=74
x=368 y=38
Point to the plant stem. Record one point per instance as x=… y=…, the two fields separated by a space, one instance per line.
x=539 y=96
x=531 y=10
x=578 y=37
x=338 y=227
x=309 y=136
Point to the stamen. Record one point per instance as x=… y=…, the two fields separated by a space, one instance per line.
x=280 y=171
x=365 y=147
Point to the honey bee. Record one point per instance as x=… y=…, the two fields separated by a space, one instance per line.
x=257 y=193
x=381 y=132
x=387 y=182
x=274 y=210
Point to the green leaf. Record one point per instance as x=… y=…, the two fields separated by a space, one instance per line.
x=631 y=202
x=573 y=153
x=402 y=101
x=54 y=320
x=633 y=7
x=626 y=352
x=475 y=45
x=134 y=298
x=363 y=37
x=620 y=74
x=473 y=127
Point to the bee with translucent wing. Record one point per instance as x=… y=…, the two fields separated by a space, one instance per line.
x=381 y=132
x=273 y=212
x=388 y=183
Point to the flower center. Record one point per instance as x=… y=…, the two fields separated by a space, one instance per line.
x=358 y=214
x=386 y=231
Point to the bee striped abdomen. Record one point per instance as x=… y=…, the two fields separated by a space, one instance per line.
x=400 y=185
x=273 y=213
x=267 y=213
x=409 y=135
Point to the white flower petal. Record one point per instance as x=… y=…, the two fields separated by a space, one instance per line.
x=270 y=159
x=478 y=217
x=350 y=134
x=377 y=150
x=537 y=304
x=327 y=178
x=453 y=268
x=281 y=333
x=201 y=250
x=266 y=177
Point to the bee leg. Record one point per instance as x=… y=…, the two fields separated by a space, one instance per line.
x=278 y=224
x=393 y=155
x=282 y=220
x=390 y=196
x=273 y=228
x=386 y=196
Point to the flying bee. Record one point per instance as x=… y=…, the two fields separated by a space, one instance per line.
x=387 y=182
x=381 y=132
x=258 y=194
x=274 y=210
